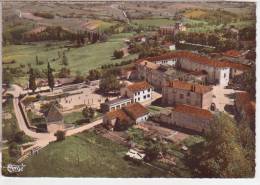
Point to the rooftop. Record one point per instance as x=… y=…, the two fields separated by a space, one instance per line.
x=117 y=100
x=53 y=114
x=117 y=114
x=232 y=53
x=197 y=88
x=198 y=59
x=194 y=111
x=139 y=86
x=135 y=110
x=131 y=111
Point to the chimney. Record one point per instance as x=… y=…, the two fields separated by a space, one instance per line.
x=145 y=63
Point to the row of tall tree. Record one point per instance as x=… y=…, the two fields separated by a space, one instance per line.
x=32 y=78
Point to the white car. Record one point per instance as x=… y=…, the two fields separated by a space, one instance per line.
x=135 y=154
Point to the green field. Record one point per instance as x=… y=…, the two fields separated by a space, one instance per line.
x=153 y=22
x=86 y=155
x=80 y=59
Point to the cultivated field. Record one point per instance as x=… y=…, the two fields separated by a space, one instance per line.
x=86 y=155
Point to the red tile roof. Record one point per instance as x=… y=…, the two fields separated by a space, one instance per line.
x=135 y=110
x=132 y=111
x=201 y=89
x=139 y=86
x=198 y=59
x=194 y=111
x=232 y=53
x=117 y=114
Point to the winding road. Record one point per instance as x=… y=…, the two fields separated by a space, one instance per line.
x=41 y=139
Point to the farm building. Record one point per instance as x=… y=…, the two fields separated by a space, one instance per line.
x=131 y=114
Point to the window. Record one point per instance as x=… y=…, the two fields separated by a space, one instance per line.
x=224 y=75
x=138 y=99
x=144 y=97
x=181 y=96
x=148 y=95
x=118 y=107
x=135 y=100
x=149 y=90
x=138 y=93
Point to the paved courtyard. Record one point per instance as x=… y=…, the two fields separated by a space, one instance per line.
x=224 y=98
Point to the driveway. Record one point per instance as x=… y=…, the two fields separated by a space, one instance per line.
x=224 y=99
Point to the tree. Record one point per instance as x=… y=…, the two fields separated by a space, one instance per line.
x=50 y=77
x=153 y=149
x=122 y=125
x=19 y=137
x=221 y=155
x=64 y=59
x=94 y=74
x=13 y=150
x=88 y=112
x=79 y=78
x=64 y=73
x=32 y=80
x=60 y=135
x=7 y=77
x=249 y=81
x=108 y=83
x=118 y=54
x=36 y=60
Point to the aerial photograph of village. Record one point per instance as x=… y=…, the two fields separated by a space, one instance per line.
x=128 y=89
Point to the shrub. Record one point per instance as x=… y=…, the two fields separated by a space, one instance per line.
x=118 y=54
x=19 y=137
x=60 y=135
x=14 y=150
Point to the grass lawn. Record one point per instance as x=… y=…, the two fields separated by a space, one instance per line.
x=154 y=109
x=153 y=22
x=35 y=119
x=9 y=126
x=85 y=155
x=73 y=117
x=80 y=59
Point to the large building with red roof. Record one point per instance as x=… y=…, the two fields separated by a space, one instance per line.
x=187 y=117
x=138 y=92
x=181 y=92
x=218 y=72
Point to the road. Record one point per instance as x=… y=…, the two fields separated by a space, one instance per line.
x=41 y=139
x=115 y=7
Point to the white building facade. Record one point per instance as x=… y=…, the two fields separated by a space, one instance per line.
x=138 y=92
